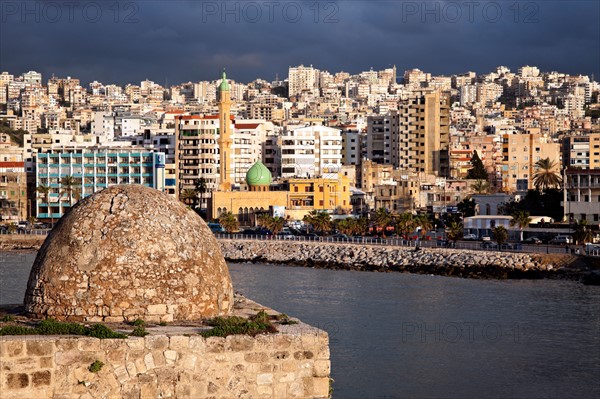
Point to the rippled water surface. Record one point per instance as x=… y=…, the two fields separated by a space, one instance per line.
x=398 y=335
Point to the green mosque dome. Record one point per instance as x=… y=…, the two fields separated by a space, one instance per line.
x=224 y=86
x=258 y=175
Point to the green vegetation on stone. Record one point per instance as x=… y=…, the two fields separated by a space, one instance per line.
x=224 y=326
x=139 y=331
x=96 y=366
x=53 y=327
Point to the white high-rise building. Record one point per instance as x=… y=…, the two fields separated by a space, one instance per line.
x=312 y=151
x=303 y=78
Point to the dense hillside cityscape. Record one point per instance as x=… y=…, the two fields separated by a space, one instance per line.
x=315 y=141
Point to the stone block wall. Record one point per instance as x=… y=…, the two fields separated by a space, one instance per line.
x=293 y=363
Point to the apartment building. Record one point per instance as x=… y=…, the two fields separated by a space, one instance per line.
x=424 y=134
x=520 y=153
x=382 y=132
x=311 y=151
x=197 y=153
x=92 y=169
x=582 y=151
x=303 y=79
x=582 y=195
x=13 y=182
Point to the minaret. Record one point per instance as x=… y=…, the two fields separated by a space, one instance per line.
x=225 y=139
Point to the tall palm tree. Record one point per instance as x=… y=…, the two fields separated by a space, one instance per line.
x=200 y=188
x=425 y=224
x=44 y=192
x=455 y=231
x=383 y=219
x=480 y=186
x=68 y=184
x=229 y=222
x=520 y=218
x=276 y=224
x=545 y=175
x=264 y=220
x=500 y=235
x=320 y=220
x=405 y=224
x=187 y=195
x=583 y=232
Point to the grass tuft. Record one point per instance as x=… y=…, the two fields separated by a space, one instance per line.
x=224 y=326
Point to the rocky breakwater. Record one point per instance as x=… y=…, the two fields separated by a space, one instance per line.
x=447 y=262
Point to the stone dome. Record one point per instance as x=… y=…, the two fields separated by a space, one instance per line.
x=129 y=252
x=258 y=175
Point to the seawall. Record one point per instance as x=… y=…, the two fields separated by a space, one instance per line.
x=438 y=261
x=172 y=362
x=447 y=262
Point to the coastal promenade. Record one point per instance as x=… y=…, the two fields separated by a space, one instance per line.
x=377 y=257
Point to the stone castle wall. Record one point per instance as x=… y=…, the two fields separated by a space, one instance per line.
x=293 y=363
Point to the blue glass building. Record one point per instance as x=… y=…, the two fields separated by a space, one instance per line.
x=92 y=169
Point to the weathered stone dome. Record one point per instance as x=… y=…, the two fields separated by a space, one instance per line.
x=129 y=252
x=258 y=175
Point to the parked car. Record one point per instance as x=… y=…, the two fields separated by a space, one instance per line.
x=561 y=240
x=340 y=237
x=470 y=237
x=532 y=240
x=512 y=246
x=285 y=235
x=446 y=244
x=216 y=228
x=489 y=245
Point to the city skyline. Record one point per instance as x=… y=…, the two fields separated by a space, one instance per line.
x=189 y=41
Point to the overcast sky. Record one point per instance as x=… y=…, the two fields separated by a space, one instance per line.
x=180 y=41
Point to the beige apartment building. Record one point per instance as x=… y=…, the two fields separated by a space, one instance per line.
x=520 y=153
x=416 y=138
x=424 y=134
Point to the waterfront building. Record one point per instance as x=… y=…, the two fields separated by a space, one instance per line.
x=92 y=169
x=582 y=195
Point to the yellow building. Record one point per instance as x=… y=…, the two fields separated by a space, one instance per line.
x=294 y=197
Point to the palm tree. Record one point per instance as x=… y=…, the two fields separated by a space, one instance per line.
x=500 y=235
x=480 y=186
x=187 y=195
x=425 y=224
x=455 y=231
x=264 y=220
x=520 y=218
x=200 y=188
x=347 y=226
x=68 y=184
x=405 y=224
x=320 y=220
x=383 y=219
x=545 y=175
x=229 y=222
x=276 y=224
x=583 y=232
x=44 y=192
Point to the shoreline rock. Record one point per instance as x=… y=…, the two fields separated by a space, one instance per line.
x=437 y=261
x=442 y=262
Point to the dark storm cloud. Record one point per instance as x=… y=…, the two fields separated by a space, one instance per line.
x=180 y=41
